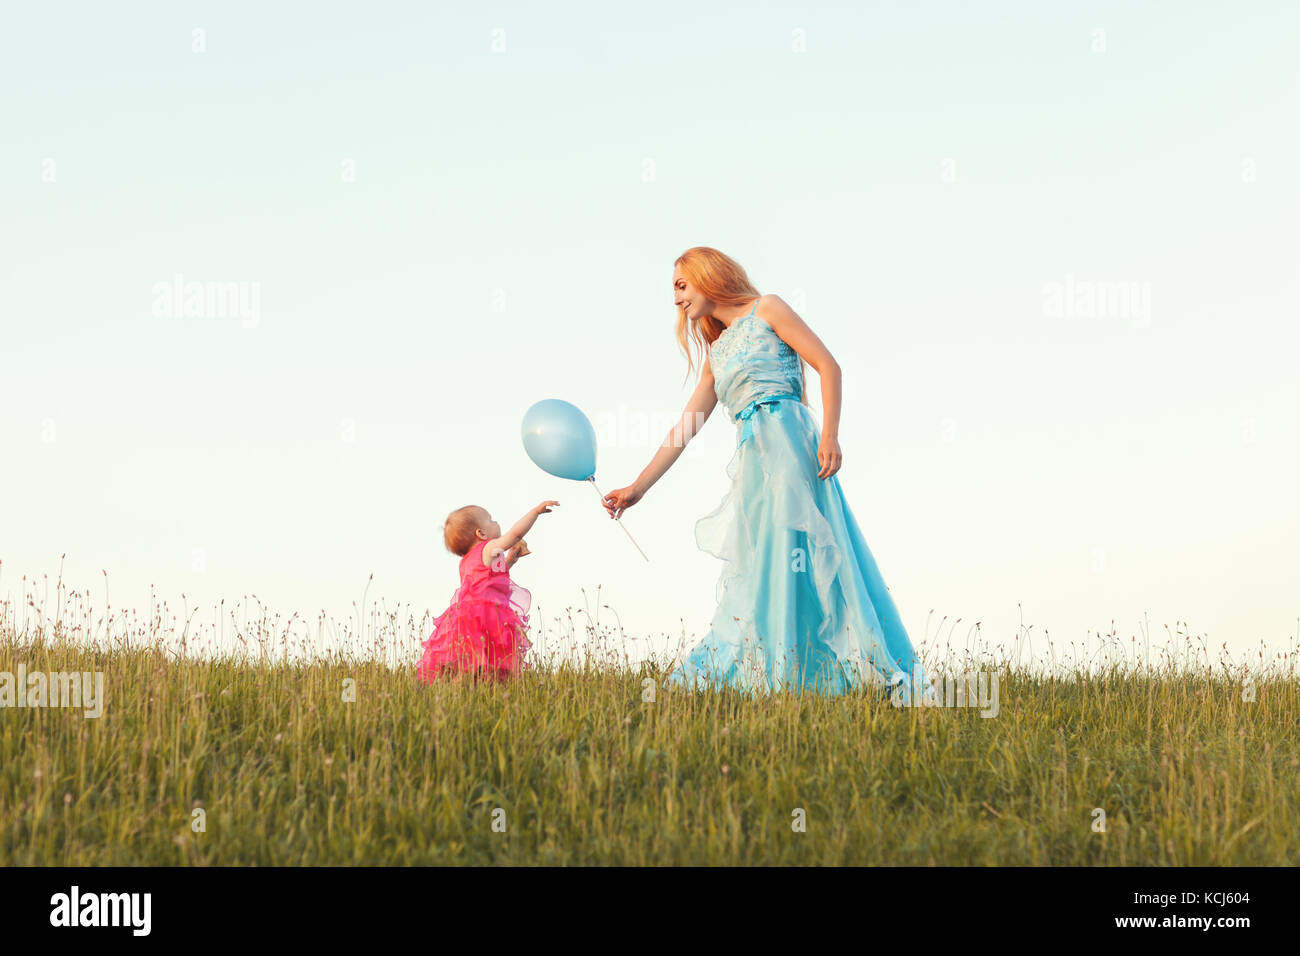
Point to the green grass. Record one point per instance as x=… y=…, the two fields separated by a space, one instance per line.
x=583 y=771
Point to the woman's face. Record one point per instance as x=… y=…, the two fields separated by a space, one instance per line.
x=686 y=296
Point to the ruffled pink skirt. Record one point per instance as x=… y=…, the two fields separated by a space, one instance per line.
x=483 y=638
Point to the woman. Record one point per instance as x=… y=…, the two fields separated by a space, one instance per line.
x=801 y=604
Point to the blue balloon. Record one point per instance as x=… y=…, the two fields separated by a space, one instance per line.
x=560 y=440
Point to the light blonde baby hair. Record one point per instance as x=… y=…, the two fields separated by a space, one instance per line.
x=458 y=530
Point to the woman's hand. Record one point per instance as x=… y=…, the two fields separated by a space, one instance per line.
x=619 y=500
x=521 y=549
x=829 y=456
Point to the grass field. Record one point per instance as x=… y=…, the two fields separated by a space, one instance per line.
x=573 y=766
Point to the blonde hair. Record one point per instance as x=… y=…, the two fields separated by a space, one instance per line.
x=458 y=530
x=725 y=281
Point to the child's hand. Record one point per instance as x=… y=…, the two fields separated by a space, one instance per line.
x=521 y=548
x=545 y=507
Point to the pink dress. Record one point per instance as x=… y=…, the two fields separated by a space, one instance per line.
x=483 y=631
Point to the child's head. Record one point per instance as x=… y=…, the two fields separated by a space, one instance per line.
x=466 y=526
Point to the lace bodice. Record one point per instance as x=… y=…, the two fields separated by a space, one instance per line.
x=750 y=361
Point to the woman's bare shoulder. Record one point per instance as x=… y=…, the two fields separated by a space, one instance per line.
x=776 y=312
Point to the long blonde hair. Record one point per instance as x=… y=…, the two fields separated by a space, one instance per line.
x=725 y=281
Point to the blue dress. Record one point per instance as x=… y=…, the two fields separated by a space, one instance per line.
x=801 y=604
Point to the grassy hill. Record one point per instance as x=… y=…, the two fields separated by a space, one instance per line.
x=574 y=767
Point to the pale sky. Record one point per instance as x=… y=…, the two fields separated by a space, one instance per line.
x=442 y=215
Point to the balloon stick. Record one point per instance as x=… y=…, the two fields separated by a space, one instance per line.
x=618 y=519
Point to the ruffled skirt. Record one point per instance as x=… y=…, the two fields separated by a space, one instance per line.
x=474 y=636
x=801 y=603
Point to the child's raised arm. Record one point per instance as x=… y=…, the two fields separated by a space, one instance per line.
x=521 y=528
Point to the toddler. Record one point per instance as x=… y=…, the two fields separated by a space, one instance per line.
x=483 y=631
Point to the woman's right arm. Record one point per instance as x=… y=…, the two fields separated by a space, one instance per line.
x=698 y=409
